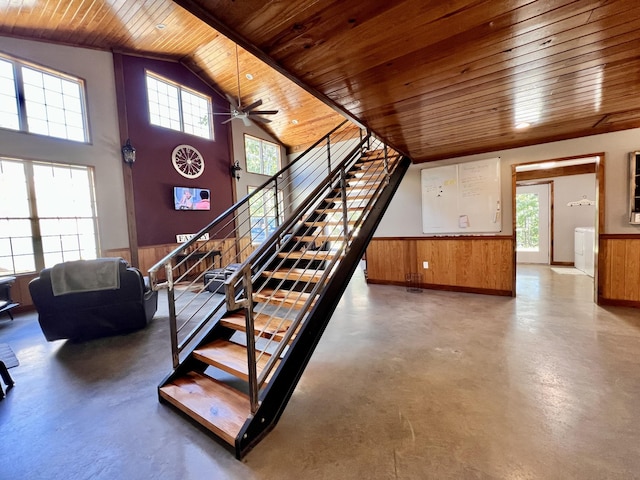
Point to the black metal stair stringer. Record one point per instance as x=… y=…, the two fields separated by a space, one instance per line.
x=280 y=388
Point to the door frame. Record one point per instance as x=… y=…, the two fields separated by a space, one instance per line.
x=600 y=209
x=551 y=213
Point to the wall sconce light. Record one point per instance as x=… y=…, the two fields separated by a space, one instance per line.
x=128 y=153
x=235 y=170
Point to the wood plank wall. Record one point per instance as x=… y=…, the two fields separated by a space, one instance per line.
x=619 y=270
x=478 y=264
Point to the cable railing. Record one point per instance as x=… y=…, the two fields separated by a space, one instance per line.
x=193 y=274
x=281 y=280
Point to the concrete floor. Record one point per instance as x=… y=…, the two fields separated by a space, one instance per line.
x=402 y=386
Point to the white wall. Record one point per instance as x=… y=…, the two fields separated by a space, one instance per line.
x=103 y=153
x=404 y=219
x=567 y=219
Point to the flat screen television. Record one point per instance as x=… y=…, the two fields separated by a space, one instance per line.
x=186 y=198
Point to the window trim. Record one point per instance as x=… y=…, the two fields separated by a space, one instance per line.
x=262 y=141
x=23 y=120
x=181 y=88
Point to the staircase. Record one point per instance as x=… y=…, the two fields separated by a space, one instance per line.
x=283 y=291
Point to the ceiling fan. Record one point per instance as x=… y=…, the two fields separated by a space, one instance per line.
x=248 y=112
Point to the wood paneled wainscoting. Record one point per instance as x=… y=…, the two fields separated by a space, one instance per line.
x=476 y=264
x=619 y=270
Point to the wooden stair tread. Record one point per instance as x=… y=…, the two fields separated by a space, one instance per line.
x=352 y=198
x=230 y=357
x=216 y=406
x=307 y=255
x=295 y=274
x=282 y=297
x=319 y=238
x=328 y=223
x=266 y=326
x=338 y=210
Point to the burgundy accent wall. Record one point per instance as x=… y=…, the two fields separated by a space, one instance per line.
x=153 y=174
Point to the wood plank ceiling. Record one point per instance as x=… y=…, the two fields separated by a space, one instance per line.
x=436 y=79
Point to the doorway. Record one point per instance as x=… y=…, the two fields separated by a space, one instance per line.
x=576 y=202
x=533 y=223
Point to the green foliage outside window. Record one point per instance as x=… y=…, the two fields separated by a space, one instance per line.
x=262 y=157
x=527 y=220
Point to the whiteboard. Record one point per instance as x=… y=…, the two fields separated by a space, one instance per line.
x=462 y=198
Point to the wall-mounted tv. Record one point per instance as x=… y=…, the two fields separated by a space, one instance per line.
x=185 y=198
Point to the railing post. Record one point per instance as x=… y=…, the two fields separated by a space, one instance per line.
x=173 y=326
x=345 y=210
x=275 y=199
x=386 y=165
x=329 y=153
x=251 y=341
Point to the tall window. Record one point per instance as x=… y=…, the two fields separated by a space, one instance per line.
x=262 y=157
x=47 y=215
x=41 y=101
x=265 y=218
x=176 y=107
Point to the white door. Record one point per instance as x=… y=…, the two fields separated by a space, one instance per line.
x=532 y=224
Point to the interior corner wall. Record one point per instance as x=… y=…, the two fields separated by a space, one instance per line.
x=157 y=220
x=404 y=215
x=103 y=151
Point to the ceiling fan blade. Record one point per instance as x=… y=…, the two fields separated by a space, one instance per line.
x=255 y=104
x=261 y=119
x=263 y=112
x=233 y=101
x=227 y=120
x=247 y=122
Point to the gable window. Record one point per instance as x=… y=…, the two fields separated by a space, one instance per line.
x=265 y=215
x=262 y=157
x=176 y=107
x=41 y=101
x=47 y=215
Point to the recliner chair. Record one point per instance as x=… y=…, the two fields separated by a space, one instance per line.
x=84 y=315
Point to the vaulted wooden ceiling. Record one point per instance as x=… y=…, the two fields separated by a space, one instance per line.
x=435 y=79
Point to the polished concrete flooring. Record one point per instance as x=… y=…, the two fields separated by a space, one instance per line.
x=403 y=385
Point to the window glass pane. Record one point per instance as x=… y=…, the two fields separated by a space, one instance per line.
x=5 y=247
x=51 y=244
x=47 y=98
x=527 y=220
x=50 y=259
x=261 y=156
x=8 y=97
x=14 y=199
x=6 y=266
x=22 y=245
x=163 y=103
x=195 y=113
x=24 y=263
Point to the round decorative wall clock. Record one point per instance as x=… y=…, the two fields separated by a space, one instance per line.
x=187 y=161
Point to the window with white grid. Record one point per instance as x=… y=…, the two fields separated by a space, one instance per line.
x=174 y=106
x=42 y=101
x=47 y=215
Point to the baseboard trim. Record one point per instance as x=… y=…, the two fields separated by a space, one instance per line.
x=613 y=302
x=563 y=264
x=449 y=288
